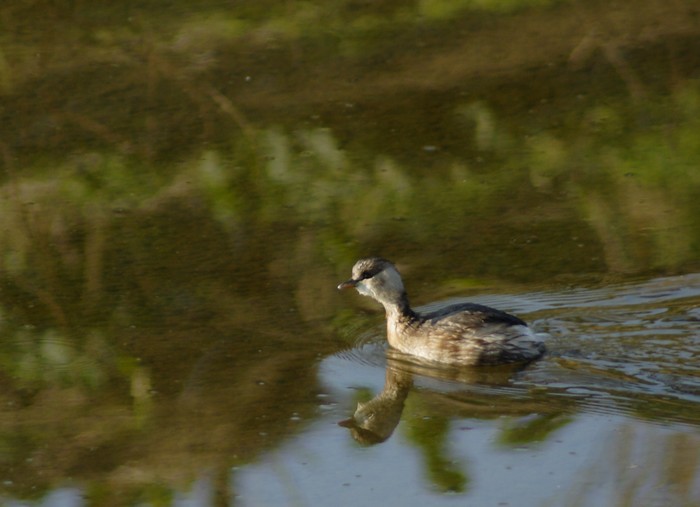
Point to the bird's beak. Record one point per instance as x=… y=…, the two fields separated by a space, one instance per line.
x=348 y=284
x=348 y=423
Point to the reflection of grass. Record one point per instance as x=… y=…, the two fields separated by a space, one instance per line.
x=532 y=429
x=338 y=27
x=109 y=258
x=430 y=434
x=637 y=467
x=445 y=9
x=54 y=359
x=634 y=184
x=95 y=242
x=63 y=230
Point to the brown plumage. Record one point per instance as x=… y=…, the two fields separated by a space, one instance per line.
x=463 y=334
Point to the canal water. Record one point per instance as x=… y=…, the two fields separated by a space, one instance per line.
x=182 y=188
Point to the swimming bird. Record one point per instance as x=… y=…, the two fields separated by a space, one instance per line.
x=464 y=334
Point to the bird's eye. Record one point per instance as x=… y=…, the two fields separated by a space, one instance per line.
x=365 y=275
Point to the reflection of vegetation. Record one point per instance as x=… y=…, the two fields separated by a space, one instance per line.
x=635 y=182
x=343 y=25
x=98 y=326
x=52 y=359
x=639 y=471
x=429 y=427
x=637 y=193
x=533 y=429
x=430 y=434
x=144 y=214
x=77 y=251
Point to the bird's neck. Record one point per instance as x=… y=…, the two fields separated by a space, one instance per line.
x=399 y=310
x=399 y=318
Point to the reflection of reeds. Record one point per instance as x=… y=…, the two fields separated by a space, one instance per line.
x=57 y=231
x=95 y=245
x=28 y=241
x=95 y=128
x=634 y=468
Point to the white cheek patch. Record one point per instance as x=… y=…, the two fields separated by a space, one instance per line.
x=362 y=289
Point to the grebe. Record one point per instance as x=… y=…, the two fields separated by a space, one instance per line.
x=462 y=334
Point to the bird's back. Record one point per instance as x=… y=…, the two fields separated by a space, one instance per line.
x=470 y=334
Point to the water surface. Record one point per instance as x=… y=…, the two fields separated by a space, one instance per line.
x=609 y=416
x=183 y=186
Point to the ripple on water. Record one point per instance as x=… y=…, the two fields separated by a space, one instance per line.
x=637 y=343
x=369 y=349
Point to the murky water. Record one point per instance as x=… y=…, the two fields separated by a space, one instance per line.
x=183 y=186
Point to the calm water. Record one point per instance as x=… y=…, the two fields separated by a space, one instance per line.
x=182 y=190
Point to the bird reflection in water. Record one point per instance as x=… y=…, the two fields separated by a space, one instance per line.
x=374 y=421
